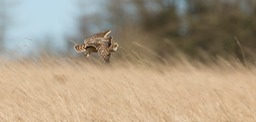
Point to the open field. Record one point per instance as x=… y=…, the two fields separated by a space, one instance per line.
x=72 y=90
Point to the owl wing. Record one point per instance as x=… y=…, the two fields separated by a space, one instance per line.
x=92 y=45
x=102 y=34
x=97 y=37
x=103 y=52
x=91 y=40
x=80 y=48
x=89 y=44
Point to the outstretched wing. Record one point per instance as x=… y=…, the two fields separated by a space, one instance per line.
x=92 y=46
x=84 y=47
x=80 y=48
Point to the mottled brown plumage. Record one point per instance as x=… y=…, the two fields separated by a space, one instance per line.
x=99 y=43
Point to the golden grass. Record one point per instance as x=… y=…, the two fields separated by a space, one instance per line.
x=72 y=90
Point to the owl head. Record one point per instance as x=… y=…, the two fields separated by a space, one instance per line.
x=114 y=47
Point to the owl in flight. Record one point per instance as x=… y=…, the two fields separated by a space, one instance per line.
x=99 y=43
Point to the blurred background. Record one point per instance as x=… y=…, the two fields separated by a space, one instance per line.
x=153 y=29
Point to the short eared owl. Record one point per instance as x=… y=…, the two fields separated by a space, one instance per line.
x=100 y=43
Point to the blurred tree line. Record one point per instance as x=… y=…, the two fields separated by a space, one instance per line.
x=3 y=20
x=200 y=28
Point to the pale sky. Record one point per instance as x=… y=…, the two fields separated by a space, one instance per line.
x=34 y=20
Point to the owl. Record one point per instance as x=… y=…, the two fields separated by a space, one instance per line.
x=99 y=43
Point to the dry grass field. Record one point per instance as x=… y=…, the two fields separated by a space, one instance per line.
x=73 y=90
